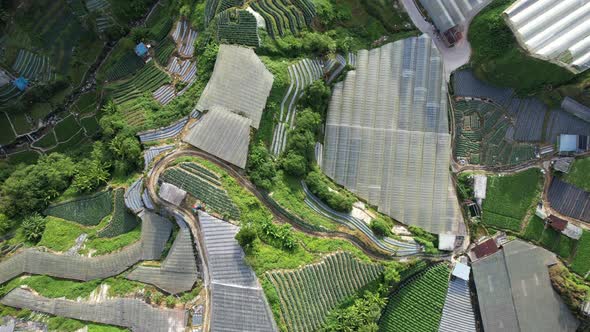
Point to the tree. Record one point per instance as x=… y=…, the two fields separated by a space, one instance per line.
x=308 y=120
x=261 y=167
x=33 y=227
x=5 y=224
x=316 y=96
x=294 y=164
x=246 y=237
x=302 y=143
x=362 y=315
x=29 y=189
x=128 y=152
x=391 y=273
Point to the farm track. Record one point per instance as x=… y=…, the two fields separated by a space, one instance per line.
x=361 y=243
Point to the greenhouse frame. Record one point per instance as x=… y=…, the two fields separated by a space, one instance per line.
x=387 y=135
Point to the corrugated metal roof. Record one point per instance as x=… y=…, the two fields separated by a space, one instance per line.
x=554 y=30
x=568 y=143
x=515 y=292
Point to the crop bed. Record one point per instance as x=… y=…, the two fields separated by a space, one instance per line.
x=485 y=134
x=285 y=15
x=418 y=304
x=122 y=221
x=128 y=64
x=87 y=211
x=148 y=79
x=198 y=186
x=308 y=294
x=164 y=50
x=237 y=27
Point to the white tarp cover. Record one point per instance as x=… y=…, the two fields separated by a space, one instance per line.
x=171 y=193
x=223 y=134
x=240 y=83
x=558 y=31
x=387 y=135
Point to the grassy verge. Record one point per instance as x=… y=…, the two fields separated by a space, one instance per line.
x=581 y=262
x=59 y=234
x=498 y=59
x=578 y=175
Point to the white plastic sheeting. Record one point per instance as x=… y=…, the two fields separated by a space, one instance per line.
x=558 y=31
x=223 y=134
x=387 y=135
x=449 y=13
x=240 y=83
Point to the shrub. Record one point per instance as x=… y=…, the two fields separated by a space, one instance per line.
x=379 y=227
x=33 y=227
x=246 y=236
x=318 y=186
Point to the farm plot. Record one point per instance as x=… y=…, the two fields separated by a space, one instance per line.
x=164 y=50
x=418 y=304
x=47 y=141
x=309 y=293
x=8 y=92
x=237 y=27
x=148 y=79
x=90 y=125
x=485 y=134
x=202 y=187
x=549 y=238
x=6 y=133
x=122 y=221
x=581 y=261
x=162 y=133
x=86 y=103
x=128 y=64
x=33 y=66
x=509 y=198
x=150 y=154
x=285 y=15
x=214 y=7
x=578 y=175
x=185 y=37
x=561 y=122
x=67 y=128
x=87 y=210
x=185 y=70
x=165 y=94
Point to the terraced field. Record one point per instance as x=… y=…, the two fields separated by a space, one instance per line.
x=283 y=16
x=122 y=221
x=203 y=185
x=309 y=293
x=148 y=79
x=417 y=305
x=87 y=210
x=128 y=64
x=237 y=27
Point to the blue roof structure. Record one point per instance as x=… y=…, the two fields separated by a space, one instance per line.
x=141 y=50
x=21 y=83
x=568 y=143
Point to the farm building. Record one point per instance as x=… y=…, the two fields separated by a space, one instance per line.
x=555 y=31
x=563 y=164
x=171 y=193
x=21 y=83
x=387 y=135
x=141 y=50
x=222 y=133
x=240 y=83
x=572 y=143
x=569 y=200
x=449 y=16
x=484 y=249
x=458 y=312
x=515 y=292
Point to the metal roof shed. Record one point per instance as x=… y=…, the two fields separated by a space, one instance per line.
x=461 y=271
x=21 y=83
x=568 y=143
x=141 y=50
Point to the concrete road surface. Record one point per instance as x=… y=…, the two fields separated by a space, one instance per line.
x=453 y=57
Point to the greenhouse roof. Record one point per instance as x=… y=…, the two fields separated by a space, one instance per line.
x=223 y=134
x=240 y=83
x=515 y=292
x=448 y=14
x=387 y=135
x=558 y=31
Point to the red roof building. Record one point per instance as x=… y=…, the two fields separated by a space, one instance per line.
x=485 y=248
x=556 y=223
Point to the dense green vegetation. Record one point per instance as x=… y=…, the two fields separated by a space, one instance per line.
x=497 y=58
x=581 y=262
x=417 y=305
x=549 y=238
x=579 y=174
x=87 y=210
x=509 y=198
x=122 y=220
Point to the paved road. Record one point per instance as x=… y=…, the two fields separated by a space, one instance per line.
x=453 y=57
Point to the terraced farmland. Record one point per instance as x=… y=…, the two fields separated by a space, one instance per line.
x=122 y=221
x=237 y=27
x=282 y=16
x=87 y=210
x=418 y=304
x=309 y=293
x=148 y=79
x=33 y=66
x=128 y=64
x=485 y=135
x=202 y=185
